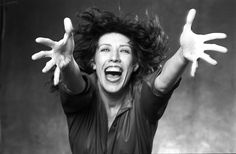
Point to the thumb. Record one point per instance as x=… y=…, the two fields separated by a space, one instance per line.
x=194 y=68
x=56 y=76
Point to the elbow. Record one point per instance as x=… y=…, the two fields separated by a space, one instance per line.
x=163 y=89
x=163 y=86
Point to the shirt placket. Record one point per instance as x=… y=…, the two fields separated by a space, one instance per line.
x=111 y=139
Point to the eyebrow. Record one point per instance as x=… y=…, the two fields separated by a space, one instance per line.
x=104 y=44
x=123 y=45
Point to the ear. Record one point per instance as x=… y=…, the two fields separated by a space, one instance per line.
x=136 y=66
x=93 y=64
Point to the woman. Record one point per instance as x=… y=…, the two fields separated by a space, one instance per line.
x=113 y=88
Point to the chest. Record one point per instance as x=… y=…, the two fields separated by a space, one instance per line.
x=128 y=131
x=90 y=131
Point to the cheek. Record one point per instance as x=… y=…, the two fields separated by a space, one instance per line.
x=99 y=61
x=129 y=62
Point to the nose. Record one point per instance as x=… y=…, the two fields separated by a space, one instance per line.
x=115 y=56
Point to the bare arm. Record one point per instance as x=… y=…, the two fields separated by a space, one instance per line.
x=192 y=47
x=61 y=55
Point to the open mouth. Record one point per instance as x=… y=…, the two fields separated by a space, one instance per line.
x=113 y=73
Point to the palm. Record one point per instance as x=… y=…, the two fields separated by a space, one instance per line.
x=193 y=45
x=61 y=52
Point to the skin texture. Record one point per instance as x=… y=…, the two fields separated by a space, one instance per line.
x=114 y=53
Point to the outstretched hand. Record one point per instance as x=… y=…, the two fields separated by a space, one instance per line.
x=193 y=45
x=61 y=52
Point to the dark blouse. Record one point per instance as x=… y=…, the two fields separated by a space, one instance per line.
x=131 y=132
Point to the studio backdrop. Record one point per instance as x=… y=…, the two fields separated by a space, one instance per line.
x=200 y=117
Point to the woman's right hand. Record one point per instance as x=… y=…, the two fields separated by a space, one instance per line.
x=61 y=52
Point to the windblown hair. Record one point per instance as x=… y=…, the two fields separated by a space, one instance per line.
x=148 y=40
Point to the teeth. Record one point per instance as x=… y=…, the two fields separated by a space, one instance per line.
x=113 y=73
x=113 y=69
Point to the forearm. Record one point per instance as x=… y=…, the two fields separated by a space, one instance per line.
x=171 y=72
x=72 y=78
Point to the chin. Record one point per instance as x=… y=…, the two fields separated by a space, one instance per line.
x=109 y=88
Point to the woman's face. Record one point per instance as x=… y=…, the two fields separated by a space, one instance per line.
x=114 y=61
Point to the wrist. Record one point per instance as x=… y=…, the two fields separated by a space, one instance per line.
x=68 y=62
x=182 y=57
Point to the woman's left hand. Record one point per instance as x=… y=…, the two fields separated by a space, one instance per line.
x=193 y=45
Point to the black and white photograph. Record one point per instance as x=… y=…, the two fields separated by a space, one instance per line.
x=117 y=76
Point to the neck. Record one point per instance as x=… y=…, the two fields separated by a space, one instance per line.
x=113 y=99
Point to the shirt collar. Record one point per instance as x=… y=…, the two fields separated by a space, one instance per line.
x=128 y=102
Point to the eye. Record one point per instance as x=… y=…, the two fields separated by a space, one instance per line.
x=125 y=51
x=105 y=50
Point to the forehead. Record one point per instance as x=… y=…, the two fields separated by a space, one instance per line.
x=114 y=39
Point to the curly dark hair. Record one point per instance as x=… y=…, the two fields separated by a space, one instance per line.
x=148 y=40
